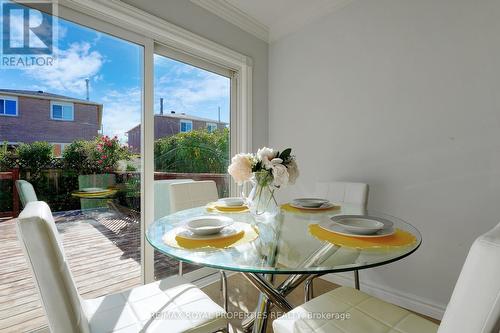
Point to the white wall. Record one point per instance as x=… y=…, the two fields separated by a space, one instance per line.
x=403 y=95
x=189 y=16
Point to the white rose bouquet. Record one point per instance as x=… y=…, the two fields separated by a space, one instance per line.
x=269 y=170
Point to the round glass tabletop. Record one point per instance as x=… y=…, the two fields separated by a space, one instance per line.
x=292 y=243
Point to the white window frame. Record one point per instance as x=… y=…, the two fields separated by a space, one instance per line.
x=129 y=23
x=185 y=121
x=13 y=99
x=62 y=104
x=212 y=125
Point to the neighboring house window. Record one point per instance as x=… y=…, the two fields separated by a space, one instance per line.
x=186 y=126
x=8 y=106
x=211 y=127
x=62 y=111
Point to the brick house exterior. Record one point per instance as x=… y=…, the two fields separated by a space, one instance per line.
x=169 y=124
x=34 y=119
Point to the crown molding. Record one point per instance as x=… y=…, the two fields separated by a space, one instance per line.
x=298 y=20
x=236 y=16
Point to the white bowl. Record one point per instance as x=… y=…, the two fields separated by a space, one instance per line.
x=360 y=225
x=208 y=225
x=231 y=202
x=310 y=202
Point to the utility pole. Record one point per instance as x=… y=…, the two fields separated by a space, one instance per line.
x=219 y=114
x=87 y=88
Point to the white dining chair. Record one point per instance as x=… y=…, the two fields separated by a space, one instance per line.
x=339 y=192
x=191 y=195
x=162 y=196
x=169 y=305
x=25 y=191
x=343 y=192
x=474 y=306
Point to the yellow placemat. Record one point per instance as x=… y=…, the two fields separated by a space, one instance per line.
x=83 y=194
x=287 y=207
x=246 y=235
x=213 y=207
x=398 y=239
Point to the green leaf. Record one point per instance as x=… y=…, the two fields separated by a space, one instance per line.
x=285 y=154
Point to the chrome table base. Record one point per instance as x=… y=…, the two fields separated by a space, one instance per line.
x=270 y=296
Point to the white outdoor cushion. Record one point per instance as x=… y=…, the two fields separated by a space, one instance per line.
x=367 y=315
x=181 y=306
x=192 y=194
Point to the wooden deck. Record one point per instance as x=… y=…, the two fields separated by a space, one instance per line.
x=103 y=252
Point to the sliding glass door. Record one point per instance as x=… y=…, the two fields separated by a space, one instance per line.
x=63 y=128
x=99 y=125
x=192 y=103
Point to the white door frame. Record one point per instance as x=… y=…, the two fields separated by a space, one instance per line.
x=127 y=22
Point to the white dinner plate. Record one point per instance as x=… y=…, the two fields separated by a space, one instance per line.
x=324 y=206
x=224 y=233
x=93 y=189
x=310 y=202
x=208 y=225
x=331 y=224
x=360 y=225
x=230 y=202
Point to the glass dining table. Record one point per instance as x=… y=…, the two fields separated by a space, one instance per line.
x=292 y=243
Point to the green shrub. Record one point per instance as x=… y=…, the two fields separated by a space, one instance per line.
x=197 y=151
x=100 y=155
x=6 y=158
x=34 y=157
x=76 y=157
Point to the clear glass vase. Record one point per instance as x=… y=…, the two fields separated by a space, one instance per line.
x=261 y=200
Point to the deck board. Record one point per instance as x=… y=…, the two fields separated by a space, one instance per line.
x=103 y=251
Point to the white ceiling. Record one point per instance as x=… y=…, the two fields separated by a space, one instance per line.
x=276 y=18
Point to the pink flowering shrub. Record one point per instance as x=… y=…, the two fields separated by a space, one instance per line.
x=100 y=155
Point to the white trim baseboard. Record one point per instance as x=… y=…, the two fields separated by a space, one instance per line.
x=404 y=300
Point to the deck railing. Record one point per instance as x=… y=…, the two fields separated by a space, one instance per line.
x=57 y=188
x=10 y=177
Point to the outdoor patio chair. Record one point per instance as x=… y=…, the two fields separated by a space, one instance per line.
x=26 y=192
x=474 y=305
x=195 y=194
x=170 y=305
x=99 y=181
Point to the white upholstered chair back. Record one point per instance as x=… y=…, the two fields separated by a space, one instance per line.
x=192 y=194
x=353 y=193
x=44 y=252
x=475 y=303
x=162 y=196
